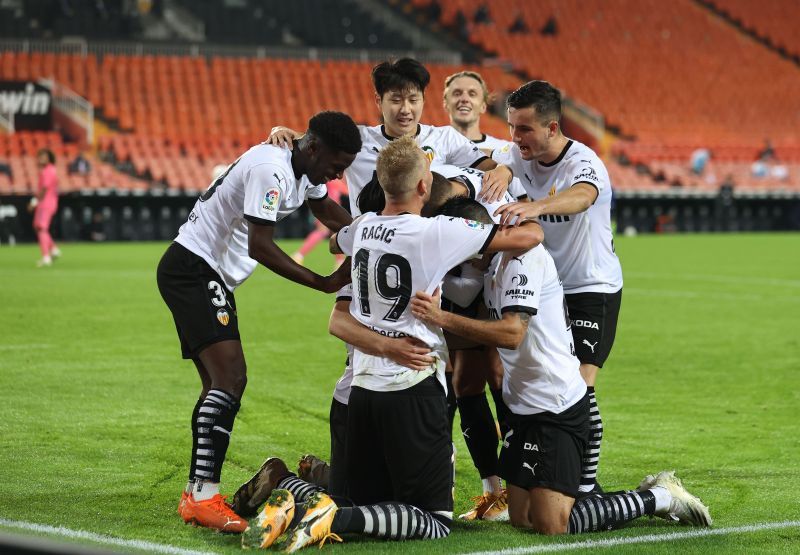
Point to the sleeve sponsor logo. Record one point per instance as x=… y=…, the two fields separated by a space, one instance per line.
x=587 y=173
x=520 y=280
x=519 y=293
x=271 y=201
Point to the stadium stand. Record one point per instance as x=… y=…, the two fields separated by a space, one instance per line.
x=659 y=72
x=774 y=22
x=318 y=23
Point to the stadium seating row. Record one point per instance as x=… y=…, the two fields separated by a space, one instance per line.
x=191 y=98
x=661 y=71
x=775 y=20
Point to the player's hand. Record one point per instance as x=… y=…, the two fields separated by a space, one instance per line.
x=282 y=137
x=495 y=183
x=408 y=351
x=339 y=278
x=514 y=213
x=32 y=204
x=427 y=307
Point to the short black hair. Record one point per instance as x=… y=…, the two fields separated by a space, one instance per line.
x=51 y=157
x=371 y=198
x=541 y=95
x=441 y=191
x=400 y=75
x=337 y=130
x=465 y=207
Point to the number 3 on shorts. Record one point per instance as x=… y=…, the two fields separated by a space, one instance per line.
x=219 y=299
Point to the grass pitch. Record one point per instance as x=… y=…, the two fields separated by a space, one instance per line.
x=704 y=378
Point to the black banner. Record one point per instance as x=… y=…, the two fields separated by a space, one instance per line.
x=29 y=103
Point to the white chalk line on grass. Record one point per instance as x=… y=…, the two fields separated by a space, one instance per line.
x=648 y=538
x=99 y=538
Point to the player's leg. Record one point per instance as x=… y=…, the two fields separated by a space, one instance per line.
x=479 y=430
x=41 y=224
x=205 y=317
x=594 y=325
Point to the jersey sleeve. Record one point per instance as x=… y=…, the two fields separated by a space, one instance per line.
x=451 y=241
x=345 y=293
x=346 y=236
x=317 y=192
x=588 y=169
x=464 y=288
x=509 y=156
x=521 y=284
x=264 y=190
x=461 y=151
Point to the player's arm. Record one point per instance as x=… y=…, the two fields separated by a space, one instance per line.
x=574 y=200
x=507 y=333
x=330 y=213
x=516 y=238
x=263 y=249
x=406 y=351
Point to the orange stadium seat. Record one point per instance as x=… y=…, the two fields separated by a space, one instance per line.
x=660 y=71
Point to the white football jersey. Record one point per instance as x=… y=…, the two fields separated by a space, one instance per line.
x=463 y=288
x=582 y=245
x=342 y=390
x=444 y=145
x=393 y=258
x=259 y=187
x=487 y=142
x=543 y=373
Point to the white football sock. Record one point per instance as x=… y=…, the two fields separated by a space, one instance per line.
x=663 y=498
x=203 y=490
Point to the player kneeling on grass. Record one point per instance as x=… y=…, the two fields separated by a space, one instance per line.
x=399 y=451
x=229 y=232
x=549 y=423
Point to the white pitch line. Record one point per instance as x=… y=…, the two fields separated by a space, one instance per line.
x=649 y=538
x=100 y=538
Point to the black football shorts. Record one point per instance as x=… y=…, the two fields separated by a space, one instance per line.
x=204 y=309
x=546 y=450
x=594 y=324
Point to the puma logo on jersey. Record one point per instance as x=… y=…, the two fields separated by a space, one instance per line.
x=531 y=468
x=591 y=345
x=279 y=178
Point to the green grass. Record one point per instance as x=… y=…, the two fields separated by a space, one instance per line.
x=94 y=435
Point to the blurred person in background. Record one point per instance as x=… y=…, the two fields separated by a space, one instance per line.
x=44 y=206
x=337 y=189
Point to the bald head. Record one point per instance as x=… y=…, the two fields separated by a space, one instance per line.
x=401 y=165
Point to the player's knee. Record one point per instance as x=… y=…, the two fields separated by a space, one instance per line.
x=466 y=384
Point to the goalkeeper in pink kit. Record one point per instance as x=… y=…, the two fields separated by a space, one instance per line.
x=44 y=205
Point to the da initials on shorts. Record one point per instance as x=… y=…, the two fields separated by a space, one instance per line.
x=531 y=446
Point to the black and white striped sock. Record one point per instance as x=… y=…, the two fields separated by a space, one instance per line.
x=591 y=456
x=300 y=489
x=609 y=511
x=192 y=463
x=392 y=521
x=213 y=425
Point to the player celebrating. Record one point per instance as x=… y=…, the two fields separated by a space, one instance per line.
x=571 y=195
x=400 y=97
x=398 y=444
x=547 y=396
x=229 y=231
x=466 y=98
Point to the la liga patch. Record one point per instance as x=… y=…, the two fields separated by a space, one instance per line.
x=271 y=201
